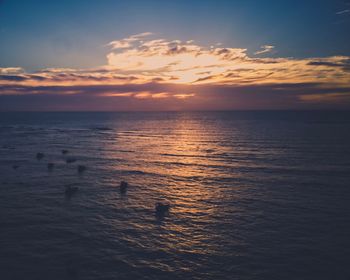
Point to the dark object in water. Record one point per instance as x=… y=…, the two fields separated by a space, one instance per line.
x=69 y=191
x=39 y=156
x=123 y=187
x=15 y=166
x=8 y=147
x=81 y=168
x=162 y=208
x=64 y=152
x=50 y=166
x=70 y=160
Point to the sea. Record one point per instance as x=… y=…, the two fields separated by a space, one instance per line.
x=253 y=195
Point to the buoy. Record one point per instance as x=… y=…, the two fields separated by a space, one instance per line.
x=64 y=152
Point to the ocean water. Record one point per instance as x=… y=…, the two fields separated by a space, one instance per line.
x=254 y=195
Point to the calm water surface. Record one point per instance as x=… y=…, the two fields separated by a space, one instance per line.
x=254 y=195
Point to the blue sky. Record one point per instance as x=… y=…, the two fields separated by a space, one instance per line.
x=37 y=34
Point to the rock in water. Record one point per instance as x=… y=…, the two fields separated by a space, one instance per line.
x=70 y=160
x=81 y=168
x=70 y=190
x=162 y=208
x=50 y=166
x=39 y=156
x=123 y=187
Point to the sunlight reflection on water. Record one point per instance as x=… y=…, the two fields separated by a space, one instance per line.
x=248 y=192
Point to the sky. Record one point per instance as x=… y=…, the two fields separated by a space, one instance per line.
x=174 y=55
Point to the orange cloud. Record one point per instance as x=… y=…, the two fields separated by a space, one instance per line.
x=188 y=63
x=141 y=68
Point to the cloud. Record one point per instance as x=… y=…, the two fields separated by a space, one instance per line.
x=265 y=49
x=347 y=11
x=11 y=70
x=336 y=98
x=127 y=42
x=156 y=96
x=341 y=62
x=143 y=72
x=168 y=59
x=187 y=62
